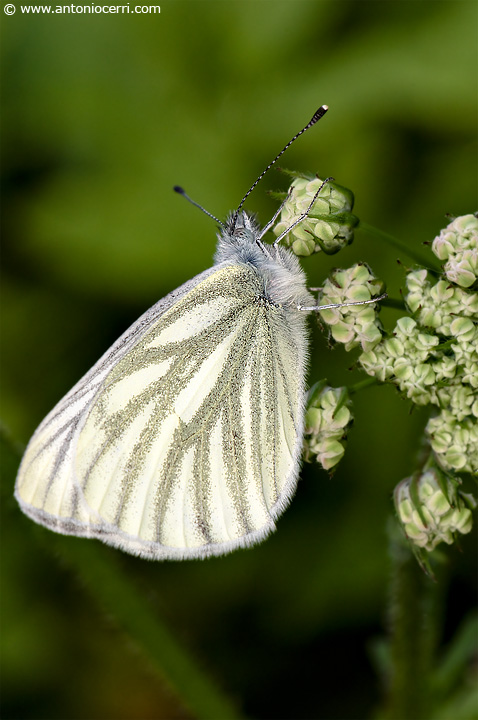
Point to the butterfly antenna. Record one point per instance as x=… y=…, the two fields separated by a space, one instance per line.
x=316 y=116
x=182 y=192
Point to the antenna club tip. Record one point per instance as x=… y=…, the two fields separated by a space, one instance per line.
x=179 y=189
x=319 y=113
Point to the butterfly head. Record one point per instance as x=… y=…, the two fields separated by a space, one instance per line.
x=241 y=226
x=238 y=239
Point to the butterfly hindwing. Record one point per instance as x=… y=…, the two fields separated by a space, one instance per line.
x=184 y=439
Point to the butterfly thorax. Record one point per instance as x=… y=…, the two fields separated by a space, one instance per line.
x=283 y=278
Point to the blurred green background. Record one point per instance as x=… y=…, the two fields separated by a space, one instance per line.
x=102 y=115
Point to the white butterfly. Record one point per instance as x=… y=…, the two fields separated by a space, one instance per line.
x=184 y=440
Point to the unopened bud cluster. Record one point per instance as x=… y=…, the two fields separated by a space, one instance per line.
x=454 y=442
x=432 y=510
x=433 y=359
x=457 y=246
x=327 y=419
x=352 y=325
x=329 y=224
x=432 y=355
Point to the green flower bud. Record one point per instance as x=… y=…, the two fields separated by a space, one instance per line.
x=328 y=452
x=425 y=371
x=462 y=328
x=327 y=420
x=416 y=385
x=420 y=344
x=357 y=324
x=394 y=347
x=417 y=282
x=466 y=356
x=468 y=302
x=457 y=245
x=408 y=359
x=437 y=305
x=470 y=375
x=329 y=224
x=445 y=369
x=458 y=398
x=378 y=363
x=454 y=442
x=431 y=510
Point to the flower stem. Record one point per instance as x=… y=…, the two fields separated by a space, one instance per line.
x=362 y=384
x=424 y=260
x=414 y=605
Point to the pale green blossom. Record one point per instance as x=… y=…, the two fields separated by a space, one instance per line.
x=329 y=224
x=436 y=304
x=457 y=246
x=327 y=420
x=352 y=325
x=454 y=441
x=431 y=510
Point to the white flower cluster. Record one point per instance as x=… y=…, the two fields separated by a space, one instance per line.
x=329 y=224
x=437 y=304
x=327 y=419
x=432 y=370
x=404 y=359
x=457 y=246
x=452 y=312
x=431 y=357
x=431 y=510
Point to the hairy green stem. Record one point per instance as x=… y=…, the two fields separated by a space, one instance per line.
x=414 y=605
x=362 y=384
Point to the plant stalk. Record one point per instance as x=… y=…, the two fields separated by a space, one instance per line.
x=414 y=605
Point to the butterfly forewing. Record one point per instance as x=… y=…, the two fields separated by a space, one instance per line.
x=184 y=440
